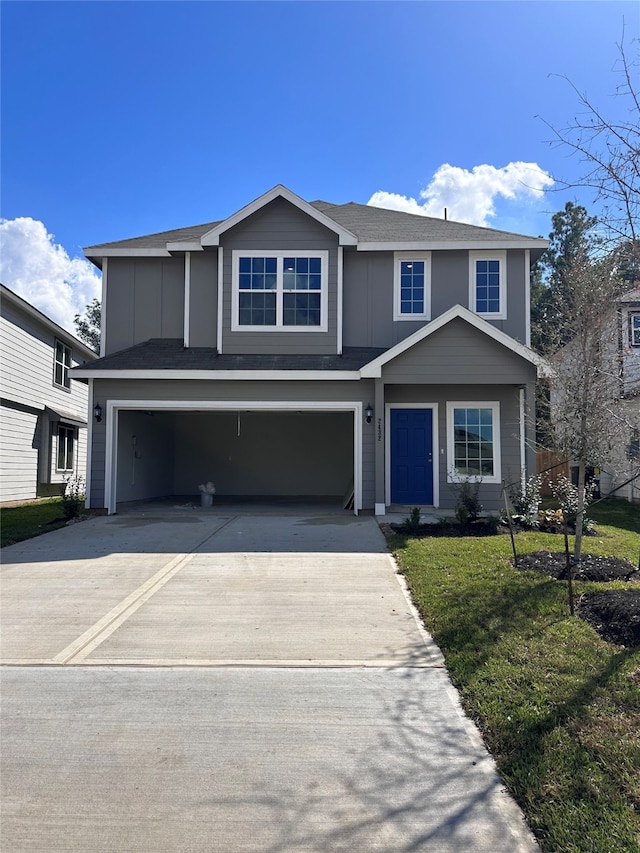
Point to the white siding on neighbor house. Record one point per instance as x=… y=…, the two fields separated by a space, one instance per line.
x=28 y=437
x=27 y=366
x=18 y=454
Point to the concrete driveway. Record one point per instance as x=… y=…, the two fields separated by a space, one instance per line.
x=197 y=681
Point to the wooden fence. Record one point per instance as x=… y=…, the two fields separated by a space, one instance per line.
x=550 y=465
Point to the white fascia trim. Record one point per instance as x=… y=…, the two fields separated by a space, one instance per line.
x=250 y=375
x=187 y=297
x=496 y=426
x=184 y=247
x=114 y=406
x=127 y=253
x=220 y=308
x=501 y=257
x=435 y=445
x=103 y=308
x=212 y=238
x=340 y=296
x=444 y=245
x=373 y=370
x=398 y=257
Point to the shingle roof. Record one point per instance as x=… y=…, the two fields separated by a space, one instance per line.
x=170 y=354
x=378 y=224
x=369 y=224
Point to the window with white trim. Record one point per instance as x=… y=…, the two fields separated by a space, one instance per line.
x=66 y=446
x=62 y=364
x=280 y=291
x=488 y=284
x=412 y=286
x=634 y=330
x=473 y=441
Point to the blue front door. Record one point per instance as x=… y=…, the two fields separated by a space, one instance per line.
x=412 y=456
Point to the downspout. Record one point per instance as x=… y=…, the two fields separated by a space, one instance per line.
x=523 y=441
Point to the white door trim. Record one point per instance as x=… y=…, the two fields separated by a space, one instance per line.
x=434 y=447
x=115 y=406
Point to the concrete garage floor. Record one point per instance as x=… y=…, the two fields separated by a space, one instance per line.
x=197 y=681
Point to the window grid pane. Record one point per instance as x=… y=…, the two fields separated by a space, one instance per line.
x=66 y=437
x=302 y=274
x=473 y=442
x=301 y=309
x=635 y=330
x=488 y=287
x=257 y=309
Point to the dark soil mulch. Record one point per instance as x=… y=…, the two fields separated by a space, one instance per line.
x=450 y=528
x=613 y=613
x=590 y=567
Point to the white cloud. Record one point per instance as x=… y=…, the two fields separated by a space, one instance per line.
x=470 y=196
x=35 y=267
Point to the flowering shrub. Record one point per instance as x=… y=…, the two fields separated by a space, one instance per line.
x=566 y=494
x=526 y=501
x=73 y=497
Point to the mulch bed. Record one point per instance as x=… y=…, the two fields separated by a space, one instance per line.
x=613 y=613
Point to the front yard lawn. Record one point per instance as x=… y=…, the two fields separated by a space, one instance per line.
x=30 y=519
x=557 y=705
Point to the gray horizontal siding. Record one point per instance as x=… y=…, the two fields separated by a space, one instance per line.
x=203 y=308
x=456 y=354
x=18 y=454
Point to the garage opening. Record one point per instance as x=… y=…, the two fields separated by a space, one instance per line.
x=247 y=454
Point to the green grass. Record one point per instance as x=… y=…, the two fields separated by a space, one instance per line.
x=29 y=519
x=558 y=707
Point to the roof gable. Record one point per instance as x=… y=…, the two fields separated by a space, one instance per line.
x=373 y=370
x=212 y=237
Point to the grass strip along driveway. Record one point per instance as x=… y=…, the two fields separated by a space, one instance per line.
x=558 y=707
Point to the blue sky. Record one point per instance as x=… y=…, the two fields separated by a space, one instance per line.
x=124 y=118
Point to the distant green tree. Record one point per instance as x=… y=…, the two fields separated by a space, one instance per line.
x=573 y=236
x=88 y=326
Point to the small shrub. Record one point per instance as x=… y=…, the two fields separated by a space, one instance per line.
x=468 y=507
x=411 y=524
x=566 y=494
x=73 y=497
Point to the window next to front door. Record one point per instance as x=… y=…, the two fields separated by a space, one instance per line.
x=473 y=442
x=280 y=291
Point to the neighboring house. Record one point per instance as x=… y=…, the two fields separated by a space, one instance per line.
x=312 y=349
x=43 y=414
x=623 y=481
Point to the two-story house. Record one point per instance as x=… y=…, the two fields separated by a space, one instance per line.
x=310 y=349
x=43 y=410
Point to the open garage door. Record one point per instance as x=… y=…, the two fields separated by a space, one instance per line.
x=296 y=450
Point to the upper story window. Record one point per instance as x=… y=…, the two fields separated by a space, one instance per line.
x=488 y=284
x=62 y=365
x=634 y=330
x=412 y=286
x=280 y=291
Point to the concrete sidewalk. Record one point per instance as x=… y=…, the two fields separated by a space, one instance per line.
x=231 y=683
